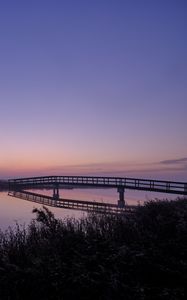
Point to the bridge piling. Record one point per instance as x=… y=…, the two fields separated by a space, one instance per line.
x=56 y=192
x=121 y=201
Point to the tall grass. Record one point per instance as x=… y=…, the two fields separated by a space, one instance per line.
x=98 y=257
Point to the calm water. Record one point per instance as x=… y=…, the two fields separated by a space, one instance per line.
x=14 y=210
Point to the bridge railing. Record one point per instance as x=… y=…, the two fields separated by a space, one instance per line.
x=92 y=181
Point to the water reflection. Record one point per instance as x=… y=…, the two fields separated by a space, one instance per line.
x=14 y=210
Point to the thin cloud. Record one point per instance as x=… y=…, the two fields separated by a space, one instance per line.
x=121 y=169
x=174 y=161
x=117 y=169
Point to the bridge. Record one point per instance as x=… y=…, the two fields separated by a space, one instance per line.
x=18 y=186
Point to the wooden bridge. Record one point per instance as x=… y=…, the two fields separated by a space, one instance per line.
x=18 y=186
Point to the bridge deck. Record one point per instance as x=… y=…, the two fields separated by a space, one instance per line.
x=170 y=187
x=89 y=206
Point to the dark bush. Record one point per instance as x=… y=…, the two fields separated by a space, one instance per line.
x=143 y=256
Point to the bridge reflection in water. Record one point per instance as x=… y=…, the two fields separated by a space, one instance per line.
x=89 y=206
x=18 y=187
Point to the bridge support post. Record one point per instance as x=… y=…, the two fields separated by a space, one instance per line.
x=121 y=201
x=56 y=192
x=185 y=188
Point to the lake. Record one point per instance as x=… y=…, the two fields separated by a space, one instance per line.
x=14 y=210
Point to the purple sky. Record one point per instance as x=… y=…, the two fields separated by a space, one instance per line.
x=95 y=86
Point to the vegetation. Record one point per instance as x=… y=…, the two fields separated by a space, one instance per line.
x=143 y=256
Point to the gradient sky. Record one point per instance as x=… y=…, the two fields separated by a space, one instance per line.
x=93 y=86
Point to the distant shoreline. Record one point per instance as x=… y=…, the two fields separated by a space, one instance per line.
x=3 y=185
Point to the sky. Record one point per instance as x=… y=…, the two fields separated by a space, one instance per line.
x=93 y=87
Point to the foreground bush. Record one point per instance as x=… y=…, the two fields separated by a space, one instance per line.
x=143 y=256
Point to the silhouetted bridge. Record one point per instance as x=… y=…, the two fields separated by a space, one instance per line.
x=18 y=186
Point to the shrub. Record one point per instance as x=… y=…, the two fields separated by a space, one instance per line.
x=98 y=257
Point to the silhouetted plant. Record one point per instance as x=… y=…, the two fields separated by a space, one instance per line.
x=143 y=256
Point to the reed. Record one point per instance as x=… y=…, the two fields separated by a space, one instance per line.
x=98 y=257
